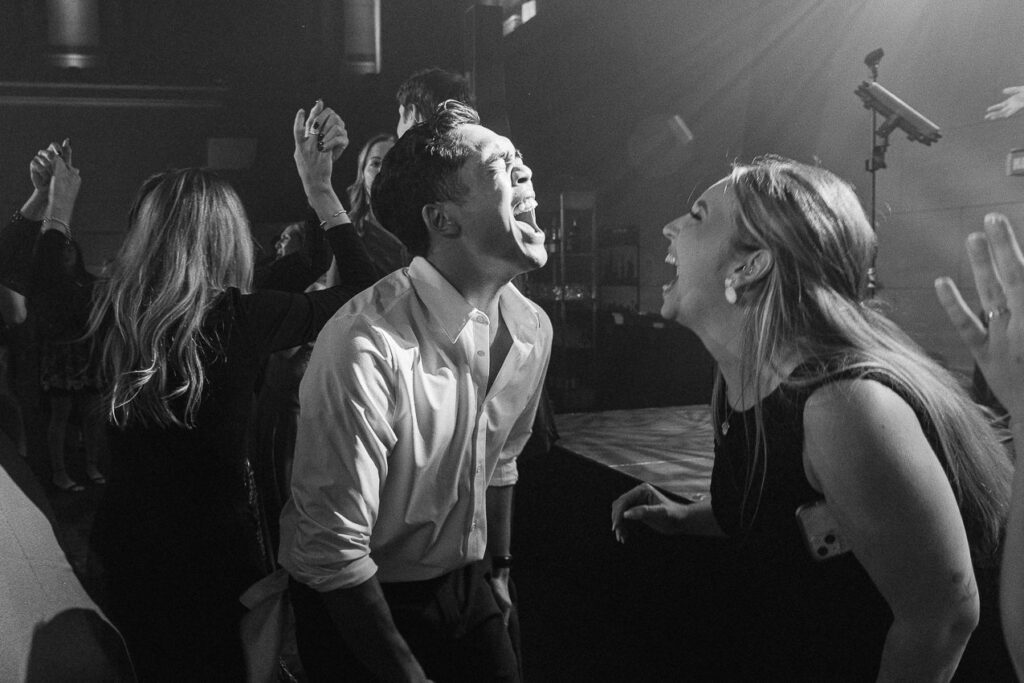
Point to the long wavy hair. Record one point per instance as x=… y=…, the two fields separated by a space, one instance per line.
x=188 y=241
x=358 y=193
x=812 y=301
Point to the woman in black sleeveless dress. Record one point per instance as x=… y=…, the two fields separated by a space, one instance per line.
x=865 y=491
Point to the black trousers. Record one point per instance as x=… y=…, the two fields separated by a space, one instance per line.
x=452 y=624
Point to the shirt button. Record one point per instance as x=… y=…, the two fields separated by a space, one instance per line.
x=480 y=352
x=481 y=319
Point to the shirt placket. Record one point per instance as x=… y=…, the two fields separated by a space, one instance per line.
x=480 y=362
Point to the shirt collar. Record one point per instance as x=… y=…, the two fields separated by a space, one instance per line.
x=452 y=311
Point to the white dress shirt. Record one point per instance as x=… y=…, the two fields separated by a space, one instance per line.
x=398 y=436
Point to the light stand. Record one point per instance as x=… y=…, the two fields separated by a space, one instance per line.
x=875 y=164
x=898 y=114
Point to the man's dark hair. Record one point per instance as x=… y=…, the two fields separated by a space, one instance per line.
x=422 y=168
x=430 y=87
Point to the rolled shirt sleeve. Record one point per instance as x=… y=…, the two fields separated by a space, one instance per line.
x=341 y=460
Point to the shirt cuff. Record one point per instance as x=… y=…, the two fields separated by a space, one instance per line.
x=505 y=474
x=323 y=580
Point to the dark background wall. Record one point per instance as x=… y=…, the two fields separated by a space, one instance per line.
x=591 y=86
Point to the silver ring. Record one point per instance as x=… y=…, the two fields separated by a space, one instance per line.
x=994 y=313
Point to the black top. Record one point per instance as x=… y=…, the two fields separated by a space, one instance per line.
x=176 y=534
x=179 y=523
x=803 y=618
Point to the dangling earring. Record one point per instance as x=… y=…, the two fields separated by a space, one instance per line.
x=730 y=291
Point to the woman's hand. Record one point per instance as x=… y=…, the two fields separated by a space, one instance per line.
x=646 y=504
x=64 y=185
x=40 y=169
x=998 y=267
x=319 y=139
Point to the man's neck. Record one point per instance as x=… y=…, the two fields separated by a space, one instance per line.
x=481 y=290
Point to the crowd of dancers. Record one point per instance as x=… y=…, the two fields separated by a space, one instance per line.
x=340 y=422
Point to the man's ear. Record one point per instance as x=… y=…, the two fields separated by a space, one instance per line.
x=754 y=266
x=437 y=221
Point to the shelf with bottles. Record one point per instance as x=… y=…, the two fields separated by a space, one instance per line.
x=618 y=277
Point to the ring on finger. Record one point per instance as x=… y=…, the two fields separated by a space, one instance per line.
x=996 y=312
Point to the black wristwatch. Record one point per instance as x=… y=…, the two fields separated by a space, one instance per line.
x=501 y=561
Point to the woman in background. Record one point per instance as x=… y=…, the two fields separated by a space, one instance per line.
x=60 y=303
x=387 y=251
x=47 y=273
x=180 y=339
x=866 y=491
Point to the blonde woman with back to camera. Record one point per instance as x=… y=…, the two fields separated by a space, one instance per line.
x=180 y=338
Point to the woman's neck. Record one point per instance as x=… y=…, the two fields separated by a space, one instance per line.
x=743 y=389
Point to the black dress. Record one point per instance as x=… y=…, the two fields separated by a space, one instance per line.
x=178 y=532
x=796 y=617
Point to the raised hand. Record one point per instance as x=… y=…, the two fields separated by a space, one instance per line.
x=65 y=183
x=1008 y=107
x=317 y=138
x=998 y=267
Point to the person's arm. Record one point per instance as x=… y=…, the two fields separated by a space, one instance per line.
x=1008 y=107
x=499 y=543
x=343 y=441
x=998 y=267
x=314 y=161
x=18 y=238
x=364 y=620
x=866 y=452
x=65 y=183
x=40 y=170
x=646 y=505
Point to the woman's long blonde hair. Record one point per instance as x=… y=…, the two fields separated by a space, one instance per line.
x=188 y=241
x=812 y=301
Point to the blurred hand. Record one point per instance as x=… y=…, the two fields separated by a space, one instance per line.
x=41 y=167
x=645 y=504
x=499 y=586
x=998 y=267
x=318 y=138
x=64 y=185
x=1008 y=107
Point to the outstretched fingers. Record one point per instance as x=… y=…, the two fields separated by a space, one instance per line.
x=1009 y=261
x=967 y=325
x=986 y=281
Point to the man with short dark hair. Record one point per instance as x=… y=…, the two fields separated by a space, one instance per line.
x=418 y=397
x=419 y=95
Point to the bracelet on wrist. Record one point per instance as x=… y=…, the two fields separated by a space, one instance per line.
x=501 y=561
x=51 y=219
x=339 y=212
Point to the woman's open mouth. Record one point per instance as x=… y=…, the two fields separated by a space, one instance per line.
x=670 y=259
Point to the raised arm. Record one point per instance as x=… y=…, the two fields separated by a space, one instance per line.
x=866 y=452
x=319 y=138
x=998 y=267
x=18 y=238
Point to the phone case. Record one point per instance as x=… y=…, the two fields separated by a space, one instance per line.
x=820 y=531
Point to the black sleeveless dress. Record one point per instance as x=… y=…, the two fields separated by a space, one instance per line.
x=798 y=617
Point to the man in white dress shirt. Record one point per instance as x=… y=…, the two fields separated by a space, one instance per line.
x=419 y=395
